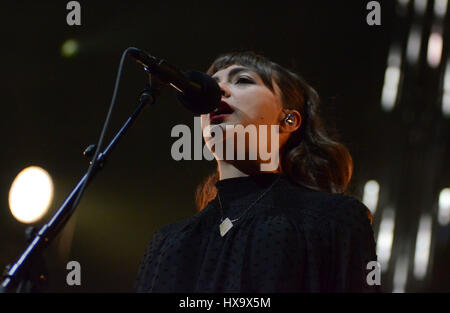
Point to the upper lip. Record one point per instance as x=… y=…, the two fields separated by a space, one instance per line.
x=223 y=108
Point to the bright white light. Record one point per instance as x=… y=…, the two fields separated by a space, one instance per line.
x=390 y=88
x=434 y=49
x=385 y=238
x=440 y=7
x=413 y=46
x=391 y=79
x=370 y=195
x=444 y=207
x=400 y=274
x=30 y=194
x=420 y=6
x=447 y=76
x=446 y=104
x=423 y=243
x=446 y=91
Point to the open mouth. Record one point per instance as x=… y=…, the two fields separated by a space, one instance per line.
x=219 y=114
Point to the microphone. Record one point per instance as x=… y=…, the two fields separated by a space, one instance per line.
x=195 y=90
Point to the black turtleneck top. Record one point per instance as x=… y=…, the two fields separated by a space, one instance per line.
x=293 y=239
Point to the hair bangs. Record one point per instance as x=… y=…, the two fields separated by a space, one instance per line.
x=259 y=64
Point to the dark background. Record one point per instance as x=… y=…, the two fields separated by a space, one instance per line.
x=54 y=107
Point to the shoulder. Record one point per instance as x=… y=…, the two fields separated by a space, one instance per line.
x=316 y=221
x=314 y=207
x=185 y=224
x=172 y=228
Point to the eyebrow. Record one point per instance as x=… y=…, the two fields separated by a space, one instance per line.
x=234 y=72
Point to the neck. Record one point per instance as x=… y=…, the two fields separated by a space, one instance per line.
x=230 y=170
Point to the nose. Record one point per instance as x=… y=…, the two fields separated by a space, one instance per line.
x=225 y=92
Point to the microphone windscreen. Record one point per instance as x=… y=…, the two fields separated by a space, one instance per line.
x=204 y=101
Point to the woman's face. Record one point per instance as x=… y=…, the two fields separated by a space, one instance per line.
x=248 y=103
x=248 y=100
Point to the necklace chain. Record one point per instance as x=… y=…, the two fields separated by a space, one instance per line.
x=223 y=221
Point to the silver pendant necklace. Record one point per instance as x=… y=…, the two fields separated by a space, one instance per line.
x=226 y=223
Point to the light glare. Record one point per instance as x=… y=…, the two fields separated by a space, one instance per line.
x=370 y=196
x=385 y=238
x=420 y=6
x=440 y=7
x=69 y=48
x=390 y=88
x=444 y=207
x=400 y=274
x=30 y=194
x=446 y=91
x=413 y=46
x=434 y=54
x=423 y=243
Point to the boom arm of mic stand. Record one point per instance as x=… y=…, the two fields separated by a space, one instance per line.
x=19 y=271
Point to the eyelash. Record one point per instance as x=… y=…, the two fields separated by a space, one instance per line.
x=246 y=80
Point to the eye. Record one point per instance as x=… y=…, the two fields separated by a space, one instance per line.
x=244 y=80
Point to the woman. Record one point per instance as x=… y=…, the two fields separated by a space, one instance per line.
x=287 y=230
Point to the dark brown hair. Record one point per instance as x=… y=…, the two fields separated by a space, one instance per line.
x=311 y=157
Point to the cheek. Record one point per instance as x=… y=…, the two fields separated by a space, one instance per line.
x=261 y=109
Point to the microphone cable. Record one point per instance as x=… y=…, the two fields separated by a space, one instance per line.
x=105 y=127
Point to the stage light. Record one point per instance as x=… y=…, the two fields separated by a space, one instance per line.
x=390 y=88
x=446 y=104
x=414 y=43
x=391 y=79
x=423 y=243
x=403 y=3
x=69 y=48
x=440 y=7
x=434 y=49
x=446 y=91
x=370 y=195
x=31 y=194
x=385 y=238
x=420 y=6
x=400 y=274
x=395 y=58
x=444 y=207
x=402 y=7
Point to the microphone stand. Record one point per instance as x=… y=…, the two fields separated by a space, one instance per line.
x=28 y=274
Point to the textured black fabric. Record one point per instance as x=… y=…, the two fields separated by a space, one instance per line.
x=292 y=240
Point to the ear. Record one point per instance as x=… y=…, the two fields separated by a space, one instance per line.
x=295 y=121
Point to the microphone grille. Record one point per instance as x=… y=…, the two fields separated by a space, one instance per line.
x=204 y=101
